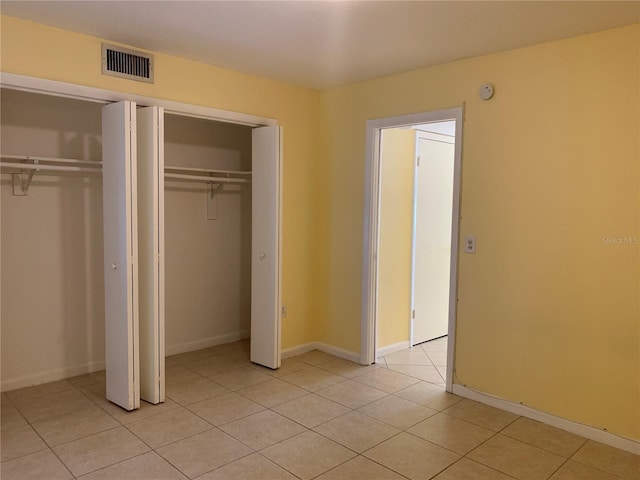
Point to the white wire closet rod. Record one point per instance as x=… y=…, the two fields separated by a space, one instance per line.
x=202 y=178
x=206 y=170
x=51 y=159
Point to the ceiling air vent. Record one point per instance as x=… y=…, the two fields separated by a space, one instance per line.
x=121 y=62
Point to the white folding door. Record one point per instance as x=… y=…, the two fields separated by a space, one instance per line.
x=150 y=126
x=266 y=195
x=119 y=187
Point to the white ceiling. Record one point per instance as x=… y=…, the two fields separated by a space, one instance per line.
x=322 y=44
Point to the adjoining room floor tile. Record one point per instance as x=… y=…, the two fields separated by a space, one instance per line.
x=426 y=373
x=411 y=356
x=411 y=456
x=308 y=455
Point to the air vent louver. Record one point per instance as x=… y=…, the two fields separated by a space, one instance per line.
x=121 y=62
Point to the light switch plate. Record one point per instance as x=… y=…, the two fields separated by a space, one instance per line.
x=470 y=244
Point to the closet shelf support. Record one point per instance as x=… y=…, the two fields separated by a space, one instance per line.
x=20 y=182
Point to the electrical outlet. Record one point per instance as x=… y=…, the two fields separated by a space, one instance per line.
x=470 y=244
x=284 y=311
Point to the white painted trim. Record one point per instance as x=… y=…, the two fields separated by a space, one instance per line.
x=576 y=428
x=371 y=232
x=91 y=94
x=394 y=347
x=323 y=347
x=206 y=342
x=51 y=375
x=338 y=352
x=298 y=350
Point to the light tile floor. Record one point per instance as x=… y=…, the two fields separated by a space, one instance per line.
x=317 y=417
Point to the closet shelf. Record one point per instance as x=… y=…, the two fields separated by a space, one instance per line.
x=206 y=175
x=202 y=178
x=21 y=180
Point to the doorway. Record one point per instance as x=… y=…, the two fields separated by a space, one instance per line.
x=372 y=274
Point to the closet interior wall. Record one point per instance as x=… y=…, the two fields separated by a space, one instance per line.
x=208 y=262
x=51 y=250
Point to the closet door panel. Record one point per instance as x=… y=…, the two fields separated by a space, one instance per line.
x=150 y=128
x=120 y=253
x=265 y=250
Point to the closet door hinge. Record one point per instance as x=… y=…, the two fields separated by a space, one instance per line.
x=418 y=161
x=413 y=314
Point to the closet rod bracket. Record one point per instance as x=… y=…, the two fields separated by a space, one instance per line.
x=214 y=190
x=20 y=182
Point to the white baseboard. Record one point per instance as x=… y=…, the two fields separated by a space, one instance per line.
x=50 y=376
x=394 y=347
x=585 y=431
x=323 y=347
x=206 y=342
x=338 y=352
x=297 y=350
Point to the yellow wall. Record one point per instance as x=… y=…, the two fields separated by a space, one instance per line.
x=548 y=313
x=397 y=154
x=40 y=51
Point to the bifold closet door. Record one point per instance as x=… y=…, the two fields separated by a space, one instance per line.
x=120 y=253
x=265 y=245
x=150 y=125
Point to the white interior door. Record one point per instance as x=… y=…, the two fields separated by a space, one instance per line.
x=265 y=249
x=120 y=253
x=432 y=229
x=150 y=136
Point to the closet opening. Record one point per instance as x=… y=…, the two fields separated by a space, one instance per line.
x=52 y=250
x=207 y=229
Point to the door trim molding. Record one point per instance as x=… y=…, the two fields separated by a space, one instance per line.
x=371 y=230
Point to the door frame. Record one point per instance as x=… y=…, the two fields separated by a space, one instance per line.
x=371 y=229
